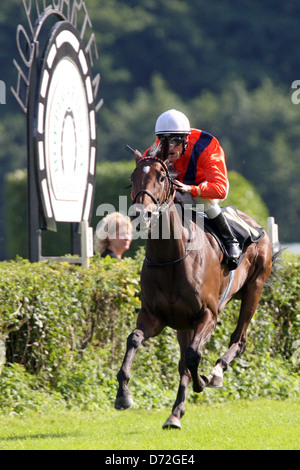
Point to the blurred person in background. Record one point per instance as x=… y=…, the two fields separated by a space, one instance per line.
x=113 y=235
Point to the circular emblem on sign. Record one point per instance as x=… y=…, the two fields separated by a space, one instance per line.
x=66 y=128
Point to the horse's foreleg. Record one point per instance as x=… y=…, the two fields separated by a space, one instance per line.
x=124 y=399
x=147 y=326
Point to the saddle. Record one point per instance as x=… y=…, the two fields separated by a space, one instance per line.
x=244 y=232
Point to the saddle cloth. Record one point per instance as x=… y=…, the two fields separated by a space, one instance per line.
x=243 y=231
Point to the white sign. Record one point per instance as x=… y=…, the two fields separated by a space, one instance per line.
x=66 y=128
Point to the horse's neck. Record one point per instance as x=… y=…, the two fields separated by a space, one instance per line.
x=168 y=239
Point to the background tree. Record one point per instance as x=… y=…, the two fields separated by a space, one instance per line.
x=228 y=64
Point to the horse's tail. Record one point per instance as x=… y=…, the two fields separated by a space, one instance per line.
x=277 y=262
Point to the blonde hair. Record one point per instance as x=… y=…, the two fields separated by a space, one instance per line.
x=108 y=228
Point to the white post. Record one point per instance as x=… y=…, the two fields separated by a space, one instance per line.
x=87 y=248
x=273 y=234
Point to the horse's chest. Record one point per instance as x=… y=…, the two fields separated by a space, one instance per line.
x=180 y=302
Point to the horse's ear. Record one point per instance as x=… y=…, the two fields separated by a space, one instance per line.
x=137 y=156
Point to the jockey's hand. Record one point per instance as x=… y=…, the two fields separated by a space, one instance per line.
x=185 y=188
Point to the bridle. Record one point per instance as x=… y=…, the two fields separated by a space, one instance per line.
x=161 y=205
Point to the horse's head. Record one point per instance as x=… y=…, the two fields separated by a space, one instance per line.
x=152 y=186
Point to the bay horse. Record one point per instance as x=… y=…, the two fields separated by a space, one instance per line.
x=186 y=289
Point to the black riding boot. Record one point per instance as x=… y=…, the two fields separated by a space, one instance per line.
x=231 y=244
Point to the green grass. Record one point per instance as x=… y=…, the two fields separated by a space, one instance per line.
x=258 y=424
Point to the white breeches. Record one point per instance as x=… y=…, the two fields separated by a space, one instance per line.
x=211 y=206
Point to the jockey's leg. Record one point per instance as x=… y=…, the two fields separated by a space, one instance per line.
x=213 y=211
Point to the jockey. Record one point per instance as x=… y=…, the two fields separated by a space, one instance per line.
x=199 y=161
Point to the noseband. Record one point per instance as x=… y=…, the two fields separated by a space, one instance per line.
x=162 y=205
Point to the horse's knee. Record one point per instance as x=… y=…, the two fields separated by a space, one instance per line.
x=192 y=358
x=135 y=339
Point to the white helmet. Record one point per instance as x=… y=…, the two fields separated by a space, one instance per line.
x=172 y=122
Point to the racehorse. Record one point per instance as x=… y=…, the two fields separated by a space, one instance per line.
x=184 y=288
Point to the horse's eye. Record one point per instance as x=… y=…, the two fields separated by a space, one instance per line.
x=161 y=178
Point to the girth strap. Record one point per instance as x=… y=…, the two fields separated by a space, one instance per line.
x=226 y=292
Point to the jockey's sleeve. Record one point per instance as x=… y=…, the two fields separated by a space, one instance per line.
x=215 y=174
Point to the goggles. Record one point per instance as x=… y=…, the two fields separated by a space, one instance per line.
x=173 y=140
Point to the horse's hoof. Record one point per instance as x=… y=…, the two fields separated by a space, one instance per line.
x=215 y=378
x=123 y=403
x=172 y=423
x=216 y=382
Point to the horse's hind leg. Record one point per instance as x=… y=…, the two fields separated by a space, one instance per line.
x=147 y=326
x=250 y=298
x=190 y=345
x=202 y=334
x=184 y=339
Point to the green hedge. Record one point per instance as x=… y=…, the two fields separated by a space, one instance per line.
x=111 y=182
x=64 y=328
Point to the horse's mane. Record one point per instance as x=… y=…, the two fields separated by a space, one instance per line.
x=155 y=150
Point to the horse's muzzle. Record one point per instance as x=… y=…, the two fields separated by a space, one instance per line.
x=142 y=217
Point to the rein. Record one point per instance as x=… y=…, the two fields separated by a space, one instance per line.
x=162 y=206
x=167 y=263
